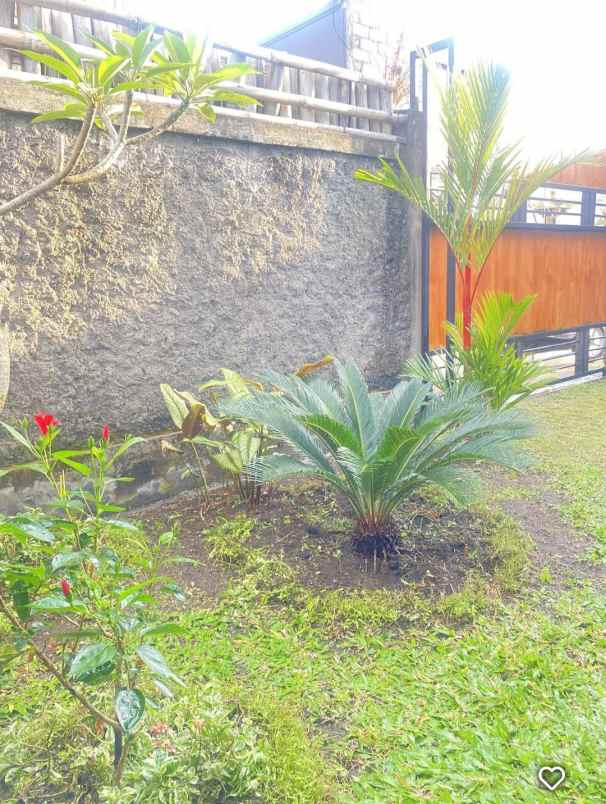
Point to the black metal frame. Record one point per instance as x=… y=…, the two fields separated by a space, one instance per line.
x=587 y=212
x=577 y=340
x=434 y=47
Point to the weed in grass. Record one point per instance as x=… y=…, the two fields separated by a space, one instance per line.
x=228 y=540
x=509 y=548
x=545 y=575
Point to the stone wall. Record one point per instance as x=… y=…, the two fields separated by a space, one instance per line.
x=199 y=252
x=368 y=44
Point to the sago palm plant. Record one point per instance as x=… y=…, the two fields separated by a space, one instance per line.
x=491 y=362
x=376 y=449
x=481 y=184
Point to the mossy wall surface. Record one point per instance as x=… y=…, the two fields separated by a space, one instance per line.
x=196 y=253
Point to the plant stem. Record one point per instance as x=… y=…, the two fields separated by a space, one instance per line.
x=49 y=664
x=60 y=175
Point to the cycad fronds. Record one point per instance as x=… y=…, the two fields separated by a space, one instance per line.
x=377 y=449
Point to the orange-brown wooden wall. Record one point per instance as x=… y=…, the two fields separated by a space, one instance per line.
x=567 y=270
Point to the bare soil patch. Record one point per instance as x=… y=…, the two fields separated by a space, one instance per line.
x=557 y=545
x=305 y=526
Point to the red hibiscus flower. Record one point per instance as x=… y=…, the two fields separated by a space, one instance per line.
x=105 y=434
x=45 y=421
x=66 y=587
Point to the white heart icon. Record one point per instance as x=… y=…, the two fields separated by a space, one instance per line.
x=556 y=772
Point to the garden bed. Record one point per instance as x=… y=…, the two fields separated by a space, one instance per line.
x=303 y=525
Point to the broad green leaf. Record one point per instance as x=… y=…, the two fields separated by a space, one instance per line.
x=69 y=112
x=129 y=707
x=226 y=96
x=124 y=38
x=207 y=112
x=141 y=46
x=81 y=468
x=20 y=596
x=99 y=43
x=137 y=587
x=176 y=406
x=230 y=72
x=29 y=528
x=109 y=68
x=105 y=508
x=91 y=659
x=19 y=437
x=69 y=453
x=63 y=68
x=125 y=86
x=157 y=663
x=176 y=47
x=55 y=604
x=33 y=466
x=73 y=559
x=63 y=89
x=60 y=47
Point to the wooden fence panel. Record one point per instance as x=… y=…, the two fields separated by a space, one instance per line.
x=7 y=20
x=584 y=175
x=567 y=271
x=302 y=88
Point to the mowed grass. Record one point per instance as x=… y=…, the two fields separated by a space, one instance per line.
x=348 y=712
x=570 y=447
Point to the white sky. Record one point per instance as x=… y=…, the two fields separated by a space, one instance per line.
x=555 y=49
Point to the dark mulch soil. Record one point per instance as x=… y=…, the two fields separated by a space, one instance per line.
x=306 y=527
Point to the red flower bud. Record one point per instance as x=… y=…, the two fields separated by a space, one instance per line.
x=105 y=435
x=66 y=587
x=44 y=421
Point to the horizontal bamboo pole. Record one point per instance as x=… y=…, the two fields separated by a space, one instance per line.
x=103 y=13
x=84 y=9
x=322 y=104
x=20 y=40
x=154 y=106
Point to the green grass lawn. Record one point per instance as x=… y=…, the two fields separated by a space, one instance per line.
x=570 y=447
x=377 y=696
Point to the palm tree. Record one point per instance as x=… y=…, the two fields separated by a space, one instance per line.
x=482 y=183
x=376 y=449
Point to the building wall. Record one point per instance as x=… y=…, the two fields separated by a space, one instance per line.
x=199 y=252
x=321 y=36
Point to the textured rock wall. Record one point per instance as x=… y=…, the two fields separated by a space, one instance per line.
x=198 y=253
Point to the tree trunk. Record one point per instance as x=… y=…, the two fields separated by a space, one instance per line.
x=467 y=307
x=5 y=364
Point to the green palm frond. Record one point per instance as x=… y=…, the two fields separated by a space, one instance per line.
x=491 y=363
x=482 y=183
x=377 y=449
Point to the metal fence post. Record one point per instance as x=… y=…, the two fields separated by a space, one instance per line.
x=581 y=362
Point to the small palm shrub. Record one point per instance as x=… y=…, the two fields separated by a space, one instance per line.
x=377 y=449
x=491 y=362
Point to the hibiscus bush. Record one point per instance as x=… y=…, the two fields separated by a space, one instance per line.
x=71 y=600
